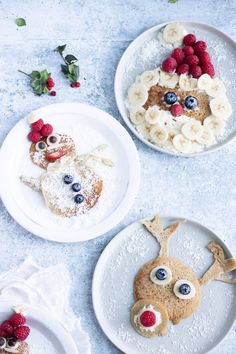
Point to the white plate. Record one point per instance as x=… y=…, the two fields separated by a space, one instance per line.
x=144 y=53
x=89 y=128
x=47 y=336
x=113 y=291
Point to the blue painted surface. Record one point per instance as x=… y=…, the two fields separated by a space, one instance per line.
x=98 y=32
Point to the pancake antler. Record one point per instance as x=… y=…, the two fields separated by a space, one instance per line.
x=162 y=235
x=220 y=267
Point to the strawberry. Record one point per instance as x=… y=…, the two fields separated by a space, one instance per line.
x=208 y=68
x=37 y=126
x=148 y=318
x=191 y=60
x=188 y=50
x=189 y=39
x=53 y=156
x=178 y=55
x=176 y=110
x=195 y=71
x=199 y=46
x=21 y=332
x=7 y=327
x=169 y=65
x=46 y=130
x=182 y=69
x=34 y=137
x=17 y=319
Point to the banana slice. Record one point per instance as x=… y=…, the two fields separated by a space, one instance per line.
x=195 y=147
x=217 y=88
x=168 y=80
x=158 y=135
x=187 y=83
x=192 y=129
x=207 y=137
x=149 y=78
x=181 y=144
x=152 y=115
x=144 y=130
x=33 y=117
x=220 y=107
x=173 y=33
x=204 y=82
x=215 y=124
x=137 y=95
x=137 y=115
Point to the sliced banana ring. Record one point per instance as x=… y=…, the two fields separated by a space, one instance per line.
x=220 y=107
x=41 y=146
x=149 y=78
x=173 y=33
x=215 y=124
x=168 y=80
x=192 y=129
x=216 y=88
x=158 y=135
x=204 y=82
x=53 y=139
x=187 y=83
x=144 y=130
x=137 y=115
x=179 y=294
x=137 y=95
x=207 y=137
x=181 y=144
x=152 y=115
x=157 y=281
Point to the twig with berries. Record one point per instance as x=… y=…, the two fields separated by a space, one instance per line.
x=69 y=69
x=41 y=82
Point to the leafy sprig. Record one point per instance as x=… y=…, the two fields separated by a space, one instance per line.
x=38 y=81
x=20 y=22
x=69 y=69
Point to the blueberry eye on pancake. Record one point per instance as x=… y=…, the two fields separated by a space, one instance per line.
x=41 y=146
x=184 y=289
x=161 y=275
x=190 y=102
x=170 y=98
x=53 y=139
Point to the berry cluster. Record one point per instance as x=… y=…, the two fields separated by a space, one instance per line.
x=50 y=85
x=15 y=327
x=191 y=59
x=75 y=84
x=39 y=130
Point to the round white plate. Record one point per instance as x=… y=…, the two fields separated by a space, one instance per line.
x=47 y=336
x=113 y=291
x=89 y=128
x=146 y=53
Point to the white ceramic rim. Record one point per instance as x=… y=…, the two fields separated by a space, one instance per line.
x=117 y=215
x=118 y=89
x=102 y=260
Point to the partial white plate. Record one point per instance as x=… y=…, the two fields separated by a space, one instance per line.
x=47 y=336
x=113 y=291
x=145 y=53
x=89 y=128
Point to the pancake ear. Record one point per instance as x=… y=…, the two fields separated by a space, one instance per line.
x=155 y=227
x=220 y=267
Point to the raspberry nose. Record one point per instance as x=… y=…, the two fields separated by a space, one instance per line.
x=148 y=318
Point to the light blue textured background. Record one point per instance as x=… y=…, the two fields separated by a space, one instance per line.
x=98 y=32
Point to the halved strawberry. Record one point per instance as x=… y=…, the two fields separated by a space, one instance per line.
x=53 y=156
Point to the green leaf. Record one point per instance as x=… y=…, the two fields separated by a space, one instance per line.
x=73 y=75
x=64 y=69
x=20 y=22
x=35 y=75
x=172 y=1
x=70 y=59
x=44 y=75
x=60 y=48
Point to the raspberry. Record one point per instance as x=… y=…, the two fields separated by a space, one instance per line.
x=204 y=57
x=169 y=65
x=53 y=93
x=37 y=126
x=191 y=60
x=46 y=130
x=72 y=84
x=50 y=79
x=50 y=83
x=199 y=46
x=148 y=319
x=34 y=137
x=178 y=55
x=208 y=68
x=189 y=39
x=7 y=327
x=176 y=110
x=188 y=50
x=21 y=332
x=17 y=319
x=182 y=69
x=3 y=333
x=195 y=71
x=77 y=84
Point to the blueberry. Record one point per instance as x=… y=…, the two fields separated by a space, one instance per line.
x=190 y=102
x=68 y=179
x=79 y=198
x=76 y=187
x=3 y=342
x=11 y=342
x=185 y=289
x=161 y=274
x=170 y=98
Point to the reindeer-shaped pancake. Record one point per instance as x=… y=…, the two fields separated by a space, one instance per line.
x=166 y=289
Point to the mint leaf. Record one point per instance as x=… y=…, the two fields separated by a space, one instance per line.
x=172 y=1
x=44 y=75
x=64 y=69
x=20 y=22
x=60 y=48
x=70 y=59
x=35 y=75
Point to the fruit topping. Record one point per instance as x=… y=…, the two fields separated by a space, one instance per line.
x=68 y=179
x=7 y=327
x=34 y=137
x=53 y=139
x=182 y=69
x=53 y=156
x=12 y=343
x=189 y=39
x=190 y=102
x=3 y=342
x=170 y=98
x=41 y=146
x=79 y=198
x=169 y=65
x=161 y=274
x=178 y=55
x=46 y=130
x=22 y=332
x=195 y=71
x=185 y=289
x=37 y=126
x=17 y=319
x=199 y=46
x=208 y=68
x=188 y=50
x=176 y=110
x=148 y=318
x=76 y=187
x=191 y=60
